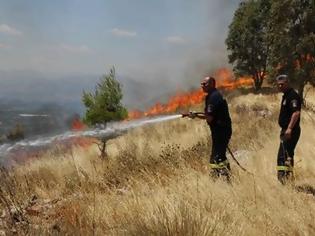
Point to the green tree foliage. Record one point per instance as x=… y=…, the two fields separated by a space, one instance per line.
x=292 y=33
x=246 y=41
x=104 y=104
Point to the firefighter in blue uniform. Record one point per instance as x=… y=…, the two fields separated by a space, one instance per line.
x=289 y=121
x=218 y=118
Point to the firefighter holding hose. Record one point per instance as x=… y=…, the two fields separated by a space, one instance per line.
x=218 y=118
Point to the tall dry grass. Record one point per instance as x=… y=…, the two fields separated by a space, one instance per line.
x=156 y=182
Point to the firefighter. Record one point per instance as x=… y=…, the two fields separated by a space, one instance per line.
x=289 y=121
x=218 y=118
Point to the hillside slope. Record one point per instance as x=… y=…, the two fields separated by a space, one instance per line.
x=156 y=182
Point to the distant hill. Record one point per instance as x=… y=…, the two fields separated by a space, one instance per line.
x=35 y=119
x=49 y=103
x=35 y=88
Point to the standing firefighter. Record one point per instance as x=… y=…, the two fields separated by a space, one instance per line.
x=289 y=121
x=218 y=118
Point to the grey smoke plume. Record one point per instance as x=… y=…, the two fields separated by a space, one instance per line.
x=182 y=65
x=179 y=65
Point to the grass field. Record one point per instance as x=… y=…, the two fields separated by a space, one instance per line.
x=156 y=182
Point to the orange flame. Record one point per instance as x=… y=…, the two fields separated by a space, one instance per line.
x=305 y=58
x=224 y=80
x=180 y=100
x=77 y=125
x=135 y=114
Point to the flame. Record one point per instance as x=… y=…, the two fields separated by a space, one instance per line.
x=304 y=58
x=135 y=114
x=224 y=79
x=180 y=100
x=77 y=125
x=83 y=142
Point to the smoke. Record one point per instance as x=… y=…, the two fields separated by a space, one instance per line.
x=209 y=54
x=187 y=53
x=181 y=66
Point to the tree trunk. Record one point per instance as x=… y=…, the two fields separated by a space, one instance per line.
x=257 y=83
x=102 y=148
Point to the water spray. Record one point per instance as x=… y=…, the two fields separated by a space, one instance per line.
x=111 y=130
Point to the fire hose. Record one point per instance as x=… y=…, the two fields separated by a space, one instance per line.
x=193 y=114
x=236 y=161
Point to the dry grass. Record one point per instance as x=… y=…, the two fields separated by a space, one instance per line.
x=156 y=182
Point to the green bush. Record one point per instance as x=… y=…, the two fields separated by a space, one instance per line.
x=104 y=104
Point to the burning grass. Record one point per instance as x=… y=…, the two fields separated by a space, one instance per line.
x=225 y=80
x=155 y=182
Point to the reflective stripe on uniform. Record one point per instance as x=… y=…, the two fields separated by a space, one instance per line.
x=220 y=165
x=285 y=168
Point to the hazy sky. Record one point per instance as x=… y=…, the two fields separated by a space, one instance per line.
x=50 y=50
x=145 y=39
